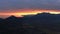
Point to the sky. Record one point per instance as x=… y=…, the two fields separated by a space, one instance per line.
x=18 y=4
x=24 y=6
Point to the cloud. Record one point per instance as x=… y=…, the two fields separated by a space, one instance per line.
x=19 y=4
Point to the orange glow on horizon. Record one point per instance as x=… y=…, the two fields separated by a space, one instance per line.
x=27 y=12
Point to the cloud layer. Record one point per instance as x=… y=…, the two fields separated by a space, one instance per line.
x=38 y=4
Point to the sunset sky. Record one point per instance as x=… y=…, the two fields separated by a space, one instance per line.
x=26 y=7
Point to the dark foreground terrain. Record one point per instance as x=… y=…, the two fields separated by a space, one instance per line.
x=43 y=23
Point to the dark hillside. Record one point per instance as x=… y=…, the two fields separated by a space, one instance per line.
x=43 y=23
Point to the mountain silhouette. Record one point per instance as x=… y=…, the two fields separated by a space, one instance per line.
x=41 y=23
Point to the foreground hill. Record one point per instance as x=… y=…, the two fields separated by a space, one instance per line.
x=43 y=23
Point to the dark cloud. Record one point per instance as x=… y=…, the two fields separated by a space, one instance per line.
x=18 y=4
